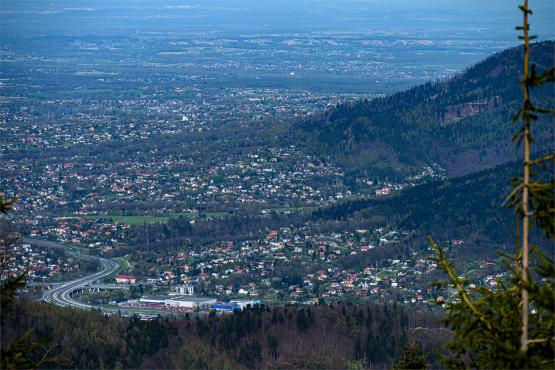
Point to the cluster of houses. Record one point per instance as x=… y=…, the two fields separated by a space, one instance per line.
x=251 y=268
x=432 y=172
x=94 y=123
x=266 y=178
x=87 y=232
x=237 y=273
x=80 y=184
x=41 y=265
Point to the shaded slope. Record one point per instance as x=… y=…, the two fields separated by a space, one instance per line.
x=450 y=209
x=469 y=207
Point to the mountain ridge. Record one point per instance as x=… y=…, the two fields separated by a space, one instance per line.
x=463 y=123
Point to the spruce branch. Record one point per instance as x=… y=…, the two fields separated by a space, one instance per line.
x=459 y=283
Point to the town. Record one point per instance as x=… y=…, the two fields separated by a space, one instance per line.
x=285 y=267
x=188 y=177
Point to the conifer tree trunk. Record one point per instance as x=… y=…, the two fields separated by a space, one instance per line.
x=526 y=179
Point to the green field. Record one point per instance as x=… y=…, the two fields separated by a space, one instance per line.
x=137 y=220
x=215 y=214
x=146 y=219
x=140 y=220
x=87 y=91
x=290 y=209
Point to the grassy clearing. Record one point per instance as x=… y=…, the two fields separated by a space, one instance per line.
x=125 y=266
x=215 y=214
x=137 y=220
x=146 y=219
x=149 y=219
x=87 y=91
x=290 y=210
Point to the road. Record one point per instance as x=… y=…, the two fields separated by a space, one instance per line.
x=61 y=295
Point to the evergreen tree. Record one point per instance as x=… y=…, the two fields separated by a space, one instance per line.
x=23 y=352
x=488 y=331
x=412 y=358
x=273 y=346
x=358 y=354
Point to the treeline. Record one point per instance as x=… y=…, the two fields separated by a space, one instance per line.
x=462 y=123
x=333 y=336
x=86 y=340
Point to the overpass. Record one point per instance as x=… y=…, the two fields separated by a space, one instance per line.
x=61 y=295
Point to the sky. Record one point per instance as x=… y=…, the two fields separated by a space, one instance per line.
x=486 y=18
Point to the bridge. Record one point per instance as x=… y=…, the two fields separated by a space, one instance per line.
x=61 y=295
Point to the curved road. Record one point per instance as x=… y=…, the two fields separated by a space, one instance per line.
x=61 y=295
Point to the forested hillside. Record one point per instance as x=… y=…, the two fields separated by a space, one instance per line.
x=280 y=337
x=470 y=207
x=452 y=208
x=462 y=123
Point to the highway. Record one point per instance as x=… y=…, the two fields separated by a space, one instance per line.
x=61 y=295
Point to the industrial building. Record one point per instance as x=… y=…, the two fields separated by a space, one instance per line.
x=179 y=301
x=153 y=299
x=234 y=304
x=190 y=302
x=224 y=307
x=243 y=303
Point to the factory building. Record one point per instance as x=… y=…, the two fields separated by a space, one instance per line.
x=234 y=304
x=224 y=307
x=179 y=301
x=153 y=299
x=243 y=303
x=190 y=302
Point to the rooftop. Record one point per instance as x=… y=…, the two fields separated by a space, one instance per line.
x=190 y=299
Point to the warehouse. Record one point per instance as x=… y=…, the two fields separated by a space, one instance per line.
x=224 y=307
x=190 y=302
x=153 y=299
x=244 y=303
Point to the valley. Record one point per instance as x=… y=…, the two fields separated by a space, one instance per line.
x=232 y=184
x=265 y=210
